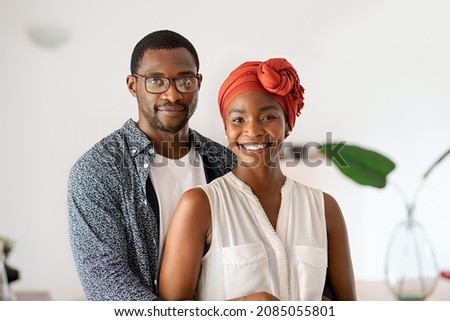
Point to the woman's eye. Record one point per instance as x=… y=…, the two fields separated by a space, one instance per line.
x=268 y=117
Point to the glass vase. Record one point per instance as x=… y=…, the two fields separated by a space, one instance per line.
x=411 y=269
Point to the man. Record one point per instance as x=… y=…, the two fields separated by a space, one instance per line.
x=123 y=191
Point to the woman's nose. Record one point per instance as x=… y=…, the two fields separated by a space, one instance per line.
x=253 y=129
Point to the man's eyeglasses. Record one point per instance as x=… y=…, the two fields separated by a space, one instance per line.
x=159 y=85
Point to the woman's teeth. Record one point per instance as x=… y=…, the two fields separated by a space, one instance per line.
x=254 y=146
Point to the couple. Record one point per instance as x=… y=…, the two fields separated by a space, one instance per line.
x=252 y=234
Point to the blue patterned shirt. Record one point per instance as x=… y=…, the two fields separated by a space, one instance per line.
x=114 y=214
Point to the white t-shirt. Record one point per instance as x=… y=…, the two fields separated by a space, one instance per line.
x=170 y=178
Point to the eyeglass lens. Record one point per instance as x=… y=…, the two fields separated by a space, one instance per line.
x=185 y=84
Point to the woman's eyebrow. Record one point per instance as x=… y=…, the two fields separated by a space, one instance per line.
x=243 y=111
x=237 y=111
x=268 y=107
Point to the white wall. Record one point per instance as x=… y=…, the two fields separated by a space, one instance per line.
x=376 y=73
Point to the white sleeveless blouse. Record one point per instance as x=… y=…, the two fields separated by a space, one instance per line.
x=247 y=255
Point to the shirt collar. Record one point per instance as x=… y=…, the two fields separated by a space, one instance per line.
x=138 y=142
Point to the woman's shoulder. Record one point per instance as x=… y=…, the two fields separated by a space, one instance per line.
x=328 y=198
x=217 y=184
x=303 y=187
x=194 y=195
x=193 y=207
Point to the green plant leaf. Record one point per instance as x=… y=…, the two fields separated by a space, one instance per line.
x=364 y=166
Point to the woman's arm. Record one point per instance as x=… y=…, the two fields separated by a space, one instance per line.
x=186 y=243
x=187 y=240
x=340 y=267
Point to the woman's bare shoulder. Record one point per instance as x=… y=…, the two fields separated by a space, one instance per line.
x=194 y=196
x=333 y=212
x=193 y=202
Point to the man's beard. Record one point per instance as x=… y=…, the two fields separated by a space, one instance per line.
x=157 y=124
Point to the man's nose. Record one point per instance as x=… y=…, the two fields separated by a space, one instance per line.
x=172 y=94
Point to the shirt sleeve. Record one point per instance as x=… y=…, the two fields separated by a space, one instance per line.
x=98 y=233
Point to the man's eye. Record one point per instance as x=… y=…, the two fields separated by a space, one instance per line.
x=185 y=81
x=155 y=82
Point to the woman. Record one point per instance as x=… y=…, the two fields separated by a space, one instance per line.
x=255 y=233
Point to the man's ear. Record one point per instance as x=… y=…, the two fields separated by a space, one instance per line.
x=200 y=81
x=131 y=84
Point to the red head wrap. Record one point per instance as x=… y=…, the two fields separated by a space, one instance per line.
x=276 y=77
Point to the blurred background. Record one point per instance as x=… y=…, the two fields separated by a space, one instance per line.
x=376 y=74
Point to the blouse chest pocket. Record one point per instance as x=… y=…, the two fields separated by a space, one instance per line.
x=312 y=263
x=246 y=269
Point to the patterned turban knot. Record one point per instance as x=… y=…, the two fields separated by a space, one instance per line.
x=276 y=77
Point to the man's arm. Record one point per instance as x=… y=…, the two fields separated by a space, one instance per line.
x=98 y=235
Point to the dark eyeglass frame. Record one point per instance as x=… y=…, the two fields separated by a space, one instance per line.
x=169 y=81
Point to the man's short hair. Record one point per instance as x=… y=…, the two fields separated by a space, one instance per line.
x=161 y=39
